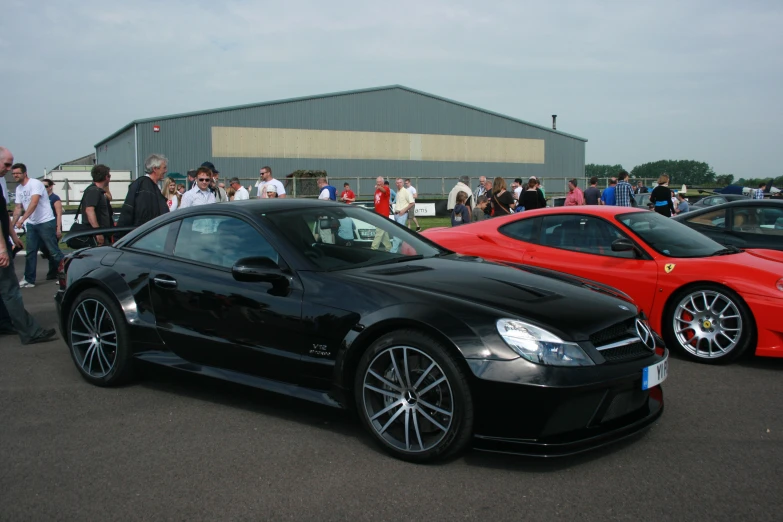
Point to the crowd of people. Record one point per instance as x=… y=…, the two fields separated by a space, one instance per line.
x=492 y=198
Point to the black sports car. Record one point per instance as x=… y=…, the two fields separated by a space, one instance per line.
x=432 y=348
x=749 y=223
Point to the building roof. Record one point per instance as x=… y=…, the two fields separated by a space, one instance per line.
x=329 y=95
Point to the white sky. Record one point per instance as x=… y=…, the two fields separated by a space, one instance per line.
x=642 y=81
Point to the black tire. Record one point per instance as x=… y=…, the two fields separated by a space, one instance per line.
x=432 y=406
x=103 y=358
x=720 y=330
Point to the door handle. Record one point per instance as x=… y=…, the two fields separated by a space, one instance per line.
x=165 y=281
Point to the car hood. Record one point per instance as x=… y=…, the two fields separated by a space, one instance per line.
x=468 y=283
x=771 y=255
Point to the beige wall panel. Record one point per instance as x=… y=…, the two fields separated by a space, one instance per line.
x=244 y=142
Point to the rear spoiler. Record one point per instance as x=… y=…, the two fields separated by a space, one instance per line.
x=97 y=232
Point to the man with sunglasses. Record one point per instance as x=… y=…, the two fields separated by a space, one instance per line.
x=200 y=194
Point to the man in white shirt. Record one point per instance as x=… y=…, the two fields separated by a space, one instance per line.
x=517 y=186
x=412 y=212
x=267 y=179
x=200 y=194
x=461 y=186
x=33 y=200
x=240 y=192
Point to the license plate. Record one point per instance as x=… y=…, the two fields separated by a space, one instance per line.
x=655 y=374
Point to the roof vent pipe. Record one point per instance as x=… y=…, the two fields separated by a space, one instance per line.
x=554 y=122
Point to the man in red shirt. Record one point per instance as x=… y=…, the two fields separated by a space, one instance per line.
x=382 y=197
x=347 y=196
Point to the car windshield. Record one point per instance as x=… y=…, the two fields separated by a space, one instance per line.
x=668 y=236
x=338 y=237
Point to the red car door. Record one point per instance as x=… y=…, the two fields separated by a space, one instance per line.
x=582 y=245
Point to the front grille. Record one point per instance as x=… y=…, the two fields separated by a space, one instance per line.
x=629 y=352
x=616 y=332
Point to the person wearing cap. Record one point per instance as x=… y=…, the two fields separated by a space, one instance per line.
x=191 y=180
x=267 y=179
x=462 y=185
x=270 y=191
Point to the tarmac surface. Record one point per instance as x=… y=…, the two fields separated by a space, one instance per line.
x=180 y=447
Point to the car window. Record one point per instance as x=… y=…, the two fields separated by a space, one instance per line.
x=339 y=237
x=522 y=230
x=154 y=241
x=220 y=241
x=716 y=218
x=669 y=237
x=756 y=220
x=579 y=233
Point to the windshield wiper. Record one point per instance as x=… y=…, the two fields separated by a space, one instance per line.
x=726 y=251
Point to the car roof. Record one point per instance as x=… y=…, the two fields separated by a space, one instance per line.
x=732 y=204
x=253 y=206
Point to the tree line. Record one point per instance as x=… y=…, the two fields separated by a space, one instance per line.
x=681 y=172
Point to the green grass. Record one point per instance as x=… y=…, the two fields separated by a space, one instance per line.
x=430 y=222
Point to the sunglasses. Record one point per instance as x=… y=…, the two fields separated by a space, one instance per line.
x=7 y=164
x=204 y=179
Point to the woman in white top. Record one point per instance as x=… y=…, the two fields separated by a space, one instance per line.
x=171 y=194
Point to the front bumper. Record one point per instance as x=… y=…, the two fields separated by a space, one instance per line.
x=528 y=409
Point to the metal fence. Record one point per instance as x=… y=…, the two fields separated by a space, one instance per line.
x=427 y=188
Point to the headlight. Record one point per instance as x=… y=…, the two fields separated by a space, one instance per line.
x=780 y=284
x=540 y=346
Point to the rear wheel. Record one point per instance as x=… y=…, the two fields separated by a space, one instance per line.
x=413 y=397
x=98 y=338
x=709 y=324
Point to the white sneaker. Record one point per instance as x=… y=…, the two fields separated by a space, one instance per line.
x=24 y=284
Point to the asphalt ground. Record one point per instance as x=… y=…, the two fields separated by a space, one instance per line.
x=181 y=447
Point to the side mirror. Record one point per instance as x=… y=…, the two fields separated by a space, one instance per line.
x=258 y=270
x=622 y=245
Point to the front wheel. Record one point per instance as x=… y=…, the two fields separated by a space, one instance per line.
x=98 y=338
x=412 y=396
x=709 y=324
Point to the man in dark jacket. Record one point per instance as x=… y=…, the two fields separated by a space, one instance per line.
x=145 y=201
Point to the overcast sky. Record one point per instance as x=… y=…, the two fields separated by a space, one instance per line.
x=642 y=81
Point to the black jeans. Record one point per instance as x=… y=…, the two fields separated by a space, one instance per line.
x=12 y=312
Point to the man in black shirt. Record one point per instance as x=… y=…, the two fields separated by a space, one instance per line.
x=13 y=316
x=593 y=193
x=96 y=209
x=145 y=201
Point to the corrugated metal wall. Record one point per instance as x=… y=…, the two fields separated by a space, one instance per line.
x=187 y=140
x=119 y=153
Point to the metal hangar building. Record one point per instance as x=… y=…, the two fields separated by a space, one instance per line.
x=392 y=131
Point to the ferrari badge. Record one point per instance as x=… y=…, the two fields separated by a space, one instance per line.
x=669 y=267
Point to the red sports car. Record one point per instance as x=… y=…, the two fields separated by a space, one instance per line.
x=710 y=302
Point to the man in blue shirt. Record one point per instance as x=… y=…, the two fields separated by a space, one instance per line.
x=607 y=196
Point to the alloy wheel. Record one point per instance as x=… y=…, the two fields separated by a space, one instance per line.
x=408 y=399
x=93 y=338
x=707 y=324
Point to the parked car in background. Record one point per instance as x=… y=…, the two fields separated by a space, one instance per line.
x=748 y=223
x=642 y=200
x=717 y=199
x=434 y=350
x=711 y=303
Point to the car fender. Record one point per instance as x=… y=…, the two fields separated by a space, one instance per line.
x=112 y=283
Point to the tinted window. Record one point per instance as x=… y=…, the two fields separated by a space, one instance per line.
x=521 y=230
x=668 y=236
x=586 y=234
x=339 y=237
x=715 y=219
x=155 y=241
x=220 y=241
x=757 y=220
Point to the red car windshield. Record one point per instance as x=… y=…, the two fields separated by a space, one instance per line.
x=669 y=237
